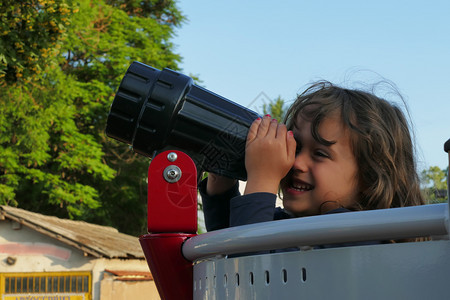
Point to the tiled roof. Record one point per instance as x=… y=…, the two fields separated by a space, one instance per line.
x=96 y=240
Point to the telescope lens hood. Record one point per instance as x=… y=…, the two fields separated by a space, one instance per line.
x=157 y=110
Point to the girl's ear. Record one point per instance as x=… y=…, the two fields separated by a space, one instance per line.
x=362 y=192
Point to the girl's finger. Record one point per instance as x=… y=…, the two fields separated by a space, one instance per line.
x=281 y=132
x=253 y=130
x=272 y=129
x=264 y=126
x=291 y=144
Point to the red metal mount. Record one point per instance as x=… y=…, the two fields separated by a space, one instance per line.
x=172 y=218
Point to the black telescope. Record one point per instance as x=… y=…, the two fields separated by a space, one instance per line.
x=156 y=110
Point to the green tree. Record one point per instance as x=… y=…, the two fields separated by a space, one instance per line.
x=43 y=155
x=434 y=181
x=60 y=64
x=31 y=33
x=276 y=108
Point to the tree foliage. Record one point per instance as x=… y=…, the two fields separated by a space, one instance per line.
x=31 y=34
x=60 y=64
x=435 y=184
x=276 y=108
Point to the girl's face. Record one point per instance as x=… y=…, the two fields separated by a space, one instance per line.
x=322 y=177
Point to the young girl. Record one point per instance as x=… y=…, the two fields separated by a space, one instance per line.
x=340 y=150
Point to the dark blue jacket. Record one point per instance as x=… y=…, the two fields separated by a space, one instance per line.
x=231 y=209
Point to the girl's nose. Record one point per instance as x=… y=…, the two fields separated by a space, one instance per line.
x=301 y=162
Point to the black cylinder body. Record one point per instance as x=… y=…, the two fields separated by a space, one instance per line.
x=156 y=110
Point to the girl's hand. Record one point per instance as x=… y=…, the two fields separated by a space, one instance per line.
x=269 y=155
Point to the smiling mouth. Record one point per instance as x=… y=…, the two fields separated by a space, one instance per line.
x=301 y=187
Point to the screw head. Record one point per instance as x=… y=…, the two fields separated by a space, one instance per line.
x=172 y=156
x=172 y=174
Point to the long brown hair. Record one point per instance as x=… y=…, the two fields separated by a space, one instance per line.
x=380 y=137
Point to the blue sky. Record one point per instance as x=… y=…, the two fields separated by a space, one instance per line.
x=241 y=49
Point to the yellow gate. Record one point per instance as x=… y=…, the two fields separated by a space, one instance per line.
x=46 y=286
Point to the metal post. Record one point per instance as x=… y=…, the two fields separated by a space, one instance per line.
x=172 y=219
x=447 y=149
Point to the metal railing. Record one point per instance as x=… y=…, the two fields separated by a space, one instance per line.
x=374 y=225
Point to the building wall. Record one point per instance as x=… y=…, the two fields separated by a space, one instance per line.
x=124 y=290
x=35 y=252
x=31 y=251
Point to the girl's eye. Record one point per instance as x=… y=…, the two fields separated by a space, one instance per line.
x=321 y=153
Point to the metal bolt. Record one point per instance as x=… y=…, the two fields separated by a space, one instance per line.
x=172 y=156
x=172 y=174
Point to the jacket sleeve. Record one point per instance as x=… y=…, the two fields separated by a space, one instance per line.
x=252 y=208
x=231 y=209
x=216 y=209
